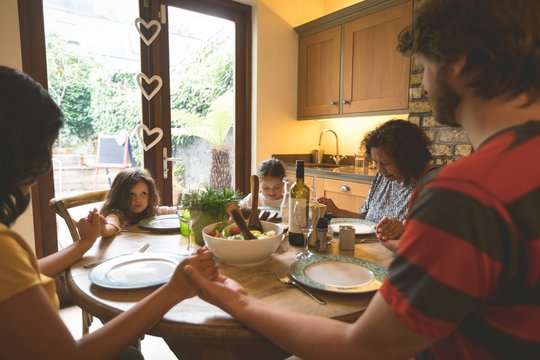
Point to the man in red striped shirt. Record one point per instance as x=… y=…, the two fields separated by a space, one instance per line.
x=465 y=283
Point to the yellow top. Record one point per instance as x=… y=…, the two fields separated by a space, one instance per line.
x=19 y=269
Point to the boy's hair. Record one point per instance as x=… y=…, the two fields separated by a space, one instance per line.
x=501 y=43
x=118 y=198
x=272 y=168
x=29 y=125
x=405 y=143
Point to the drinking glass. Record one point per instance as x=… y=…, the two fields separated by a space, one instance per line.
x=189 y=210
x=306 y=215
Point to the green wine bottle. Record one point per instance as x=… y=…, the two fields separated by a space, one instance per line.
x=299 y=200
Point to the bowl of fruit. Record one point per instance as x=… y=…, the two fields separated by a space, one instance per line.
x=226 y=241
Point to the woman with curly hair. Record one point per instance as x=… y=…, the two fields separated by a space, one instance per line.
x=400 y=150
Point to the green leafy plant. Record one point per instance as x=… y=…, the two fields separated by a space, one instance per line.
x=214 y=201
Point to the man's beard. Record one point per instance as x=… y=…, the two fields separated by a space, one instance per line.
x=444 y=101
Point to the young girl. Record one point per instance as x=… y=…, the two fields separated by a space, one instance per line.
x=271 y=173
x=133 y=197
x=30 y=327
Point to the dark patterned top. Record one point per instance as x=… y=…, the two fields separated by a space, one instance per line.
x=467 y=272
x=386 y=198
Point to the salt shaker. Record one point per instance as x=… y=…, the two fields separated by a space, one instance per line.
x=346 y=237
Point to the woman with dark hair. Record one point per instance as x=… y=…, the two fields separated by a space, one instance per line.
x=400 y=150
x=31 y=327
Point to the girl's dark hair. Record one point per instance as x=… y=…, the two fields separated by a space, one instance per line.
x=405 y=143
x=119 y=199
x=29 y=125
x=501 y=42
x=271 y=167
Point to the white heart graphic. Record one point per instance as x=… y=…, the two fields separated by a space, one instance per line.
x=141 y=129
x=147 y=25
x=141 y=76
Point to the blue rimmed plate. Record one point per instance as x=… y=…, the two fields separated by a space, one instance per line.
x=340 y=274
x=135 y=271
x=361 y=226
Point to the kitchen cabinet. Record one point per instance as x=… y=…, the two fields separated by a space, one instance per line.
x=348 y=64
x=346 y=194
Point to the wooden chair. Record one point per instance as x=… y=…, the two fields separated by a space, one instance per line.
x=61 y=206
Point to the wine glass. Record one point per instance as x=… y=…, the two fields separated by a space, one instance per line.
x=189 y=210
x=306 y=215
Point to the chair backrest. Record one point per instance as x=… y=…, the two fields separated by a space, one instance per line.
x=61 y=205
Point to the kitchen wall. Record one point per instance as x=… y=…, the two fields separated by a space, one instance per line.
x=10 y=55
x=275 y=84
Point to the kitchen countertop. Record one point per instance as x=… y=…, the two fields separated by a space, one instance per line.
x=345 y=173
x=327 y=169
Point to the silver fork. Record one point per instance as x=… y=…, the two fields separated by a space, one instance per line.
x=96 y=263
x=284 y=278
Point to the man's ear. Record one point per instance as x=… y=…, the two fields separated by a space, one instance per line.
x=458 y=65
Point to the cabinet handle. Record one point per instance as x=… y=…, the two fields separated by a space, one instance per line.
x=344 y=188
x=333 y=103
x=346 y=102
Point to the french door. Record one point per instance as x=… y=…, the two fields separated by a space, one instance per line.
x=157 y=58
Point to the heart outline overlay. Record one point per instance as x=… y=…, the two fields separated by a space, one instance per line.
x=141 y=76
x=147 y=25
x=141 y=129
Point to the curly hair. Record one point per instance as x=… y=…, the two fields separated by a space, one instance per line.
x=119 y=199
x=29 y=125
x=501 y=41
x=271 y=167
x=404 y=142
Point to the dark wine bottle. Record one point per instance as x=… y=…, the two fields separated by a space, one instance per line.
x=299 y=197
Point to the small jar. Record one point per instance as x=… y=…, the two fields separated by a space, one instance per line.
x=346 y=237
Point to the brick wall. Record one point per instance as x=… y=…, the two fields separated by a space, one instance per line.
x=449 y=143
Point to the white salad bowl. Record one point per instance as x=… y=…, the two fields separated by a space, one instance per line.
x=244 y=252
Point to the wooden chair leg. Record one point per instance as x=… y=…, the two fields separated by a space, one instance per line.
x=86 y=322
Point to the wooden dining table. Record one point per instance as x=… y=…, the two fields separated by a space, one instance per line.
x=195 y=329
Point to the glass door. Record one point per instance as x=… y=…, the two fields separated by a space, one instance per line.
x=201 y=59
x=204 y=58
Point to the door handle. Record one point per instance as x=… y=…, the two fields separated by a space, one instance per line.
x=166 y=160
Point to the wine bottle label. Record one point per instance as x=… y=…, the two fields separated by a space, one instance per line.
x=298 y=214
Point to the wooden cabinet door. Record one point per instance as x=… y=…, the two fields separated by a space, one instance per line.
x=375 y=74
x=346 y=195
x=319 y=61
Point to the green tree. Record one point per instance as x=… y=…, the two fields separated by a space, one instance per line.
x=214 y=129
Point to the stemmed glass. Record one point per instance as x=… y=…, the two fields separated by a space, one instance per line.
x=306 y=215
x=189 y=209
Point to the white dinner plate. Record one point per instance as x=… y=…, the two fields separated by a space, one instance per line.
x=361 y=226
x=341 y=274
x=135 y=271
x=168 y=222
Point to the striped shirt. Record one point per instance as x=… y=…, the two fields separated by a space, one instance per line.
x=468 y=269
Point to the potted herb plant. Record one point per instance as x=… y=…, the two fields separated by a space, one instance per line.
x=213 y=207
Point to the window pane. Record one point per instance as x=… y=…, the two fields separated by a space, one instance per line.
x=201 y=60
x=93 y=56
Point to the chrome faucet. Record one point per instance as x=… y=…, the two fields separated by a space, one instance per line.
x=337 y=158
